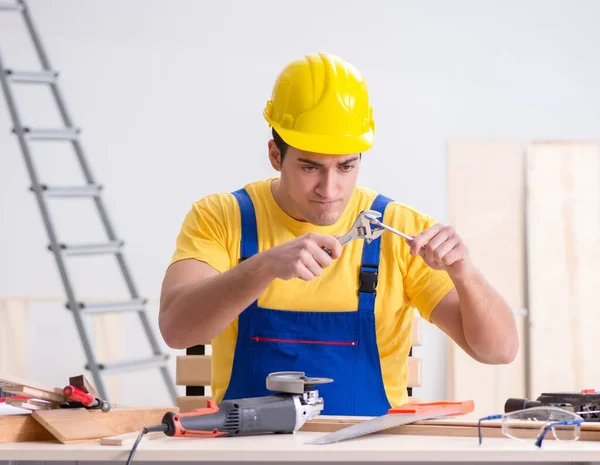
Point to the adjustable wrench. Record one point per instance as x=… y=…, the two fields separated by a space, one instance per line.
x=363 y=229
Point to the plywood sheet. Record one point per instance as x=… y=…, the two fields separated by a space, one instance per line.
x=563 y=224
x=485 y=182
x=14 y=337
x=76 y=425
x=108 y=348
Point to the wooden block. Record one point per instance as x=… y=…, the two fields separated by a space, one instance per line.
x=35 y=393
x=81 y=382
x=563 y=224
x=193 y=370
x=486 y=206
x=14 y=336
x=189 y=403
x=22 y=428
x=414 y=372
x=76 y=425
x=129 y=438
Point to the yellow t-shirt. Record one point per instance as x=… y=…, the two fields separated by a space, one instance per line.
x=211 y=232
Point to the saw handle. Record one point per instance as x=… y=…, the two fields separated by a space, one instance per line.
x=453 y=408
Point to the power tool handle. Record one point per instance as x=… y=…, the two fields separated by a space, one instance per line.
x=197 y=423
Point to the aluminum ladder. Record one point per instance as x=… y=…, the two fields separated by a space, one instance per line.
x=69 y=133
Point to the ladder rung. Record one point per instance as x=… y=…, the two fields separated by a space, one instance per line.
x=140 y=364
x=10 y=6
x=135 y=305
x=50 y=134
x=91 y=190
x=91 y=249
x=33 y=77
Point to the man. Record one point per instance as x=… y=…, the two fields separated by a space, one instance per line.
x=251 y=277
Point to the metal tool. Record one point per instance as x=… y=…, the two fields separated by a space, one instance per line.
x=373 y=219
x=403 y=415
x=86 y=399
x=361 y=229
x=67 y=133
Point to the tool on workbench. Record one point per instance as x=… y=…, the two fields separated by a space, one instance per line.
x=585 y=403
x=86 y=399
x=403 y=415
x=294 y=401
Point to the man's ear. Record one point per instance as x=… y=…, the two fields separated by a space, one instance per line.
x=274 y=155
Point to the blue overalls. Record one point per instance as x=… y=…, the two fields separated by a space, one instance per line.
x=338 y=345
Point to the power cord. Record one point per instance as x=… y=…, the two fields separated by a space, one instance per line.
x=148 y=429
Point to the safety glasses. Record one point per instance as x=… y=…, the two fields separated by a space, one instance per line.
x=565 y=425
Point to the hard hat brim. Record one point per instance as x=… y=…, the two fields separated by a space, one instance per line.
x=326 y=144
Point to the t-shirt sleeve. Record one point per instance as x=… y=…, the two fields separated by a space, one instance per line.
x=425 y=286
x=203 y=235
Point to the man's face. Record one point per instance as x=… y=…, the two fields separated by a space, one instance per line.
x=318 y=187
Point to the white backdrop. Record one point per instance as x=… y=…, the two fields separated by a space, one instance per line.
x=170 y=97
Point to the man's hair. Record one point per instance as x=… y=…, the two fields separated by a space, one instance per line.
x=280 y=143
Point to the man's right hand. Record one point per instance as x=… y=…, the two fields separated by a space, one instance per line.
x=303 y=257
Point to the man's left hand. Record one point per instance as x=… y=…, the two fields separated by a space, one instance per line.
x=442 y=249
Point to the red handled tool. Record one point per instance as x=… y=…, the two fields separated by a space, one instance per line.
x=402 y=415
x=86 y=399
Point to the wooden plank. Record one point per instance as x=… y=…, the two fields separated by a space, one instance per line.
x=107 y=336
x=451 y=427
x=34 y=393
x=81 y=382
x=32 y=404
x=193 y=370
x=129 y=438
x=16 y=380
x=415 y=377
x=486 y=207
x=563 y=224
x=14 y=337
x=77 y=425
x=189 y=403
x=22 y=428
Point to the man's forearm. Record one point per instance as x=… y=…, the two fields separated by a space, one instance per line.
x=196 y=312
x=488 y=322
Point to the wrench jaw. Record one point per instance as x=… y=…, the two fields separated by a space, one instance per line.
x=362 y=228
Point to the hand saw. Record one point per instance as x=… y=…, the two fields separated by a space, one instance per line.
x=403 y=415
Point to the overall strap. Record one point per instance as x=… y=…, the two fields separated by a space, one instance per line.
x=369 y=268
x=249 y=242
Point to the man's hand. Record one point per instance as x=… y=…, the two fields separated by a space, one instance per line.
x=303 y=257
x=442 y=249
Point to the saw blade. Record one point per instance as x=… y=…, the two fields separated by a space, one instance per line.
x=388 y=421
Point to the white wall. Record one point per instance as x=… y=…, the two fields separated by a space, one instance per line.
x=170 y=98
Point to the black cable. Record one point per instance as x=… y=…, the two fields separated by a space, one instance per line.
x=148 y=429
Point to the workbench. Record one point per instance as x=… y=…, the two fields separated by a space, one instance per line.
x=290 y=448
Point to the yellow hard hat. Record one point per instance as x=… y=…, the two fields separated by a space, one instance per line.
x=320 y=104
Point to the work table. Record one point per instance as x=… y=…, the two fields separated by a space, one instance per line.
x=290 y=448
